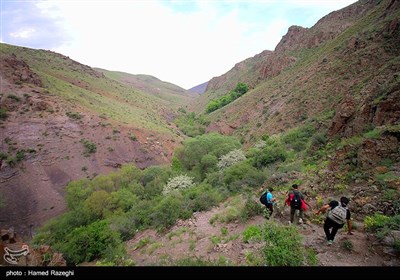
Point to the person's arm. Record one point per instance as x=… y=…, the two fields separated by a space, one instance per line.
x=322 y=209
x=349 y=227
x=286 y=202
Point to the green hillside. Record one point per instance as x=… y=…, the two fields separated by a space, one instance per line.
x=322 y=111
x=174 y=95
x=357 y=65
x=79 y=84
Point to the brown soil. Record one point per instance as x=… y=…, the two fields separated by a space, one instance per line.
x=32 y=191
x=193 y=238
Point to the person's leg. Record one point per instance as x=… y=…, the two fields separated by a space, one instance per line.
x=269 y=213
x=335 y=229
x=326 y=229
x=301 y=216
x=292 y=210
x=271 y=210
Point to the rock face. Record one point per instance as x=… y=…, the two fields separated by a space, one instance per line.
x=269 y=64
x=17 y=71
x=348 y=55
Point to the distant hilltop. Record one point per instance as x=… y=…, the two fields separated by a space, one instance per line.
x=200 y=89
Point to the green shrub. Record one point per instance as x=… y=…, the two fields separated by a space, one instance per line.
x=373 y=223
x=3 y=114
x=74 y=115
x=123 y=199
x=166 y=212
x=373 y=134
x=242 y=174
x=202 y=197
x=97 y=203
x=11 y=161
x=191 y=125
x=77 y=192
x=297 y=138
x=220 y=102
x=283 y=246
x=89 y=146
x=269 y=155
x=252 y=233
x=196 y=148
x=252 y=208
x=319 y=139
x=347 y=245
x=163 y=173
x=208 y=163
x=13 y=97
x=89 y=242
x=241 y=88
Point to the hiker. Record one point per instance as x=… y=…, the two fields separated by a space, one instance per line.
x=295 y=199
x=270 y=201
x=336 y=218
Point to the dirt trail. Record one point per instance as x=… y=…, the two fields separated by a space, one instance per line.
x=220 y=242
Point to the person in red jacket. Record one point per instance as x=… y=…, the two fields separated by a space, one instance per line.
x=295 y=199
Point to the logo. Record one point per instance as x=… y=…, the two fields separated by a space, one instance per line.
x=12 y=256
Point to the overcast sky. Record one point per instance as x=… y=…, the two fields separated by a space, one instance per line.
x=182 y=42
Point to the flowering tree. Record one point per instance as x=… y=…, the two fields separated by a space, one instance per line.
x=260 y=144
x=177 y=183
x=230 y=159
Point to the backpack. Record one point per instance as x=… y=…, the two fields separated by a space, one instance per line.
x=338 y=214
x=263 y=198
x=295 y=202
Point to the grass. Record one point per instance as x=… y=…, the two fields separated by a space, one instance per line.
x=78 y=84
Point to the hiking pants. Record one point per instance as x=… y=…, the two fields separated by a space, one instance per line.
x=270 y=208
x=292 y=211
x=328 y=225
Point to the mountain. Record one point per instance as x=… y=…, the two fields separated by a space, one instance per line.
x=62 y=120
x=322 y=110
x=199 y=88
x=149 y=84
x=344 y=69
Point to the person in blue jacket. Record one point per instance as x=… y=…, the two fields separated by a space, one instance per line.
x=270 y=201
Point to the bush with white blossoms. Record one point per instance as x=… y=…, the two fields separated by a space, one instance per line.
x=177 y=183
x=230 y=159
x=260 y=144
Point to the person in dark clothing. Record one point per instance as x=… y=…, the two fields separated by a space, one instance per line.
x=293 y=208
x=336 y=219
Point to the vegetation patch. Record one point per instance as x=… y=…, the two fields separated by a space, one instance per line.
x=224 y=100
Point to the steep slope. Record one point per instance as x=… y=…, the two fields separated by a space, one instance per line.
x=269 y=64
x=242 y=72
x=174 y=95
x=347 y=61
x=200 y=89
x=61 y=121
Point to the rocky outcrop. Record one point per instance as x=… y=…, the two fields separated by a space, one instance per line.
x=17 y=71
x=344 y=114
x=275 y=65
x=242 y=72
x=293 y=38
